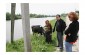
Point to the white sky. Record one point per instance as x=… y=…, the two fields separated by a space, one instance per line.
x=47 y=8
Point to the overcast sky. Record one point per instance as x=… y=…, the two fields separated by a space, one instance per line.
x=47 y=8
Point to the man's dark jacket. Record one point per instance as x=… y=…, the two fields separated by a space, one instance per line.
x=60 y=26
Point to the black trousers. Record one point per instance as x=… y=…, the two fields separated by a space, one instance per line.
x=48 y=37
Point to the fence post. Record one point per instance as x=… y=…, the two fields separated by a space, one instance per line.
x=26 y=26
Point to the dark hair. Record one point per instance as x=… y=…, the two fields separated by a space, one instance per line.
x=58 y=15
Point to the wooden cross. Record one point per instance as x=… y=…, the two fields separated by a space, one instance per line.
x=25 y=24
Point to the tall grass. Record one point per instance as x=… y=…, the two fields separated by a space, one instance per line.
x=38 y=43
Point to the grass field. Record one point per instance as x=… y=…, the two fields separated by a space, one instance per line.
x=38 y=43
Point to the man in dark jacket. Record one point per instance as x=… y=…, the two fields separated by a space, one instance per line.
x=60 y=26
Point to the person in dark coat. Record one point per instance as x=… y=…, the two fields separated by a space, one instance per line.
x=48 y=31
x=71 y=31
x=60 y=26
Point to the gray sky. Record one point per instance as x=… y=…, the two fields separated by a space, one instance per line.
x=47 y=8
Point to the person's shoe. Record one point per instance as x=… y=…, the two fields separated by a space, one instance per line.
x=61 y=50
x=57 y=46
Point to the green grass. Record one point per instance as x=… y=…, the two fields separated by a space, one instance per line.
x=38 y=43
x=17 y=46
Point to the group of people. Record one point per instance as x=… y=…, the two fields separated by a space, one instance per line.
x=60 y=27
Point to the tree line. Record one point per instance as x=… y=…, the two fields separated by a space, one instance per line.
x=18 y=16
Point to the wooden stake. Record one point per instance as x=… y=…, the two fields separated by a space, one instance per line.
x=13 y=5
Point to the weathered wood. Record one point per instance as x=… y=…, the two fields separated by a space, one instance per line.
x=26 y=26
x=13 y=5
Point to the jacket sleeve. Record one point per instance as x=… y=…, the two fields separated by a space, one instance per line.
x=63 y=25
x=54 y=27
x=69 y=29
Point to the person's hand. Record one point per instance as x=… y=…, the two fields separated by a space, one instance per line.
x=53 y=30
x=69 y=34
x=65 y=37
